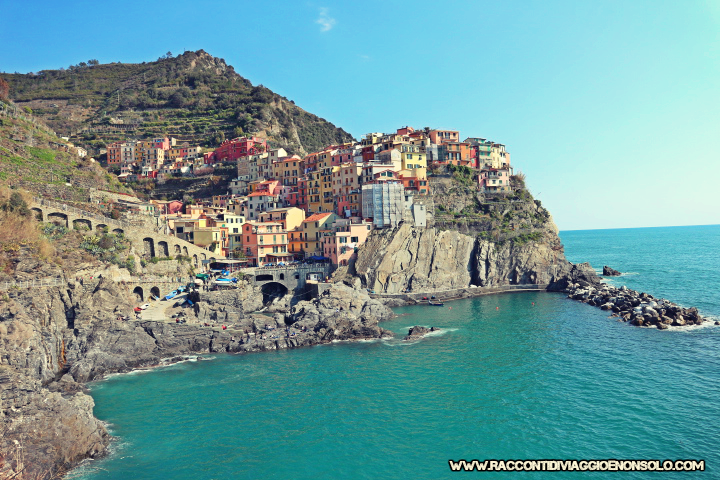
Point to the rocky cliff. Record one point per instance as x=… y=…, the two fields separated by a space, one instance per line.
x=54 y=340
x=426 y=259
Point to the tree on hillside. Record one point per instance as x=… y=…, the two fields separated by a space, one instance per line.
x=93 y=62
x=218 y=138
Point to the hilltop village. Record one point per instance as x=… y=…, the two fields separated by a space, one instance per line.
x=285 y=208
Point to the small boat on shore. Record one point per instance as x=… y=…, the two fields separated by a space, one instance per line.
x=435 y=304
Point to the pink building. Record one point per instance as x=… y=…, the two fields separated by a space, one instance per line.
x=493 y=180
x=340 y=244
x=265 y=242
x=346 y=189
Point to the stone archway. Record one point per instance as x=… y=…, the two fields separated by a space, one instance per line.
x=272 y=291
x=38 y=214
x=177 y=249
x=163 y=250
x=101 y=227
x=149 y=247
x=82 y=224
x=138 y=292
x=185 y=251
x=195 y=259
x=155 y=291
x=58 y=218
x=118 y=231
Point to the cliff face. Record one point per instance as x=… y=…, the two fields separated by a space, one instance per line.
x=425 y=259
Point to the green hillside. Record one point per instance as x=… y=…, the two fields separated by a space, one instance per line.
x=34 y=158
x=194 y=97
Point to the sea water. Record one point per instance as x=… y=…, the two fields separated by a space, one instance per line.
x=512 y=376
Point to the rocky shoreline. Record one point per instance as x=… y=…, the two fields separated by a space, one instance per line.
x=637 y=308
x=53 y=343
x=627 y=305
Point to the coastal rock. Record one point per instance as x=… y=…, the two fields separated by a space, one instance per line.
x=418 y=332
x=228 y=306
x=638 y=308
x=54 y=340
x=410 y=259
x=342 y=313
x=609 y=272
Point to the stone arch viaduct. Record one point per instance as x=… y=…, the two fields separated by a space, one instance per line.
x=146 y=240
x=277 y=281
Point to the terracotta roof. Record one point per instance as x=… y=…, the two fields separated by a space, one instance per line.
x=317 y=216
x=264 y=193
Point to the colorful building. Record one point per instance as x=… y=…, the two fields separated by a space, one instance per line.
x=313 y=226
x=265 y=243
x=340 y=244
x=231 y=150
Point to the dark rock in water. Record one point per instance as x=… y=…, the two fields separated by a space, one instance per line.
x=662 y=326
x=717 y=323
x=609 y=272
x=418 y=332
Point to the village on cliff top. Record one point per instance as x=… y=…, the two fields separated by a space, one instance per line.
x=282 y=208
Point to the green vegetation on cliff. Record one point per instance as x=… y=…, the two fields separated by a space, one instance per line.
x=33 y=157
x=193 y=96
x=514 y=217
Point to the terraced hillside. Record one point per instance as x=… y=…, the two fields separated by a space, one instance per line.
x=33 y=157
x=194 y=97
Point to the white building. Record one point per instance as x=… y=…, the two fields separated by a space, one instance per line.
x=384 y=202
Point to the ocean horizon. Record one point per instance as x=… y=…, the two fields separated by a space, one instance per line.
x=529 y=375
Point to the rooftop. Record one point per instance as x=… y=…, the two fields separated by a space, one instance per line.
x=317 y=216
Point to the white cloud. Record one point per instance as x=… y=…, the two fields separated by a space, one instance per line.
x=325 y=21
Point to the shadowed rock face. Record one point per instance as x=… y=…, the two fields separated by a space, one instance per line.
x=54 y=340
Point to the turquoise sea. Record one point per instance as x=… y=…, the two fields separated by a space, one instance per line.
x=503 y=379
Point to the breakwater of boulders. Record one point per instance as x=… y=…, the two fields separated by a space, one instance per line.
x=637 y=308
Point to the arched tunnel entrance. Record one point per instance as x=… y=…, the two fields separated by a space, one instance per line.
x=155 y=291
x=272 y=291
x=138 y=291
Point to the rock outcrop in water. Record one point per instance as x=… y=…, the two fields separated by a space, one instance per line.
x=610 y=272
x=417 y=332
x=54 y=340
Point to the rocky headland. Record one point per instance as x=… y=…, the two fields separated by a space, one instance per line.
x=55 y=340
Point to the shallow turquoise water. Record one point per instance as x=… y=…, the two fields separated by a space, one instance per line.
x=503 y=379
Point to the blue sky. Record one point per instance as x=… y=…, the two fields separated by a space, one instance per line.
x=611 y=108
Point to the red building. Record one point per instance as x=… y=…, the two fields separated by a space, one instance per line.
x=231 y=150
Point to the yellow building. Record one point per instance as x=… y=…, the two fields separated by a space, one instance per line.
x=290 y=217
x=313 y=226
